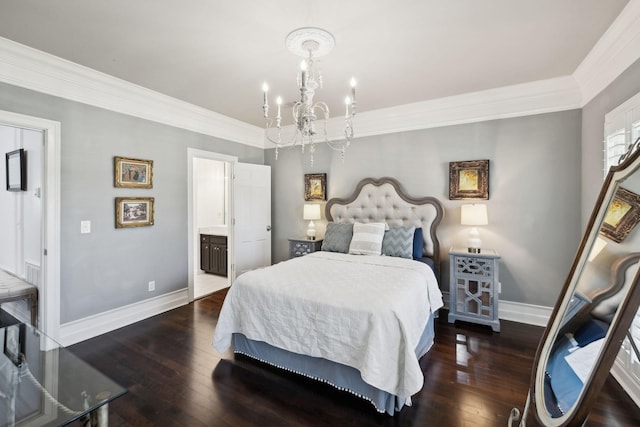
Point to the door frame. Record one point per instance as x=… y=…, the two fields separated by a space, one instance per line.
x=49 y=288
x=192 y=242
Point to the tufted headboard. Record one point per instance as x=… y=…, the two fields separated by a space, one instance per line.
x=383 y=200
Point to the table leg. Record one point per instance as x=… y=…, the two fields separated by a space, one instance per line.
x=100 y=416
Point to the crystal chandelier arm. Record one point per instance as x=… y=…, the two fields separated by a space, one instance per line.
x=265 y=104
x=277 y=138
x=323 y=107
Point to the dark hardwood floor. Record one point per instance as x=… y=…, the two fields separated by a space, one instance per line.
x=473 y=377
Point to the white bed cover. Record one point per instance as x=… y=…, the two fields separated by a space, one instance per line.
x=367 y=312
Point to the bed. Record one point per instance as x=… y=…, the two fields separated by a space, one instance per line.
x=357 y=315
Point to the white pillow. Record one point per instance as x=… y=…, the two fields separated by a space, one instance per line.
x=367 y=238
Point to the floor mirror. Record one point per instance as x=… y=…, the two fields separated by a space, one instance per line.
x=595 y=309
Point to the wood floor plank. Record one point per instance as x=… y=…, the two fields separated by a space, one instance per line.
x=473 y=377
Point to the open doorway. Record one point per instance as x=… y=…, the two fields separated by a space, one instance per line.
x=210 y=210
x=21 y=209
x=211 y=203
x=40 y=261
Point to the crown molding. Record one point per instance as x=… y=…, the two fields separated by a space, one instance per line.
x=617 y=49
x=544 y=96
x=32 y=69
x=539 y=97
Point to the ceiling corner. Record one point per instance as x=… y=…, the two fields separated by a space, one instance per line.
x=616 y=50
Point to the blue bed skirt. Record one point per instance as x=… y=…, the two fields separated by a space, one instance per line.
x=338 y=375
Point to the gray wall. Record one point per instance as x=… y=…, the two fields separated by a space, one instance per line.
x=110 y=267
x=534 y=205
x=543 y=182
x=621 y=89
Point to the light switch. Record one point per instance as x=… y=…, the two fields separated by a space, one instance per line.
x=85 y=227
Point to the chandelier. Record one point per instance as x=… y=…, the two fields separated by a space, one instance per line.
x=309 y=43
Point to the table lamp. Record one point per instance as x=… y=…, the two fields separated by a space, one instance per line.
x=310 y=213
x=474 y=215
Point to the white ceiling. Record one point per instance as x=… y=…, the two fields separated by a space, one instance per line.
x=216 y=54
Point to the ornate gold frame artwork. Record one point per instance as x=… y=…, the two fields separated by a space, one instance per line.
x=622 y=215
x=133 y=173
x=134 y=211
x=315 y=186
x=469 y=180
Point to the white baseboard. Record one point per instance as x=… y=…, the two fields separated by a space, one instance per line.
x=92 y=326
x=518 y=312
x=629 y=385
x=525 y=313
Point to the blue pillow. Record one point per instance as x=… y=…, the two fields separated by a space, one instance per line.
x=418 y=243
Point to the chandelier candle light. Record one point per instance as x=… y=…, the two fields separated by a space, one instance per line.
x=309 y=43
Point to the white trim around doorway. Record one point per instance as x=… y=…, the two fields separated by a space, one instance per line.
x=49 y=289
x=193 y=242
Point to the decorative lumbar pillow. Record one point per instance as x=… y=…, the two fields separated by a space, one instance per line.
x=337 y=237
x=418 y=244
x=367 y=238
x=398 y=242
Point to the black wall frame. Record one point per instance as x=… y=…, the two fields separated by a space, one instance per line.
x=16 y=170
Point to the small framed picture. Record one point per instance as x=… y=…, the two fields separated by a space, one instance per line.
x=134 y=211
x=14 y=343
x=16 y=168
x=469 y=180
x=133 y=173
x=315 y=186
x=623 y=214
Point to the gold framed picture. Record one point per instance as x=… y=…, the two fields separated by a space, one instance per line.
x=315 y=186
x=133 y=173
x=134 y=211
x=469 y=180
x=623 y=214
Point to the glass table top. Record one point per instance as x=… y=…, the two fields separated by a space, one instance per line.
x=44 y=384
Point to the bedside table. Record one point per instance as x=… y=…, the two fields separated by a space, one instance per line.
x=474 y=287
x=299 y=247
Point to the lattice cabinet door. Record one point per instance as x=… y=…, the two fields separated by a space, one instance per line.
x=301 y=247
x=474 y=287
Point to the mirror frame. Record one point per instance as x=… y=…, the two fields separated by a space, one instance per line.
x=619 y=325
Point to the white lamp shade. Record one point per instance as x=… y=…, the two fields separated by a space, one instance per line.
x=311 y=212
x=473 y=215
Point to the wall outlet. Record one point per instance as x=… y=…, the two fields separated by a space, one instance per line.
x=85 y=227
x=152 y=286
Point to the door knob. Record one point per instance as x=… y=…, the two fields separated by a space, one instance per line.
x=268 y=228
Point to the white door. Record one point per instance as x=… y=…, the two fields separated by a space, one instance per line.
x=252 y=214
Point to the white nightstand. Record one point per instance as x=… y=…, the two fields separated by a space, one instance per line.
x=474 y=287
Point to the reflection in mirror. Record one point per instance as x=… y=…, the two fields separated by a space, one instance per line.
x=583 y=330
x=595 y=308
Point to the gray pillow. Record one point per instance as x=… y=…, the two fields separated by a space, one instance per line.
x=367 y=238
x=337 y=237
x=398 y=242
